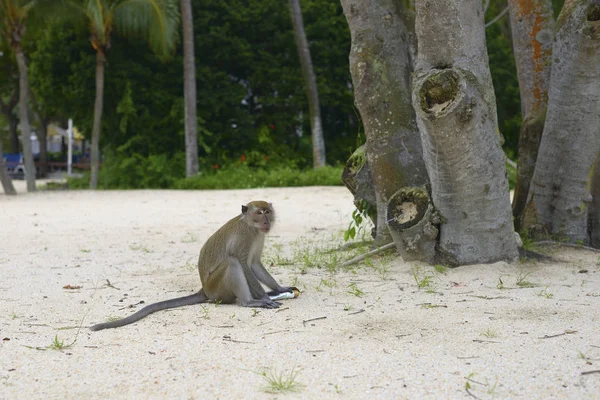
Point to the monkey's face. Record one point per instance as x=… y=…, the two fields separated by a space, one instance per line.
x=261 y=213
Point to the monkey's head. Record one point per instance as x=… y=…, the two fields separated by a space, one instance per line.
x=259 y=214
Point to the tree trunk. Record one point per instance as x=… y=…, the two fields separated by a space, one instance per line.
x=42 y=135
x=456 y=113
x=595 y=209
x=532 y=26
x=381 y=69
x=4 y=177
x=310 y=83
x=13 y=123
x=24 y=120
x=189 y=89
x=559 y=197
x=95 y=161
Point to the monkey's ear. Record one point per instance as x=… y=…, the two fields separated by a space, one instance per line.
x=244 y=209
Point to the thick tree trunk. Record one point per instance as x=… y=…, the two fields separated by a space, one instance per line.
x=381 y=69
x=532 y=26
x=594 y=223
x=7 y=184
x=189 y=89
x=310 y=83
x=456 y=114
x=24 y=120
x=95 y=161
x=559 y=197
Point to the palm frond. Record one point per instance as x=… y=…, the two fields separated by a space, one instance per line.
x=155 y=20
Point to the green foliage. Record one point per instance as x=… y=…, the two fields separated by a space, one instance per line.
x=158 y=171
x=242 y=176
x=359 y=215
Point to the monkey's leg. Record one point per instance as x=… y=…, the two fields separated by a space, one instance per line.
x=195 y=298
x=232 y=279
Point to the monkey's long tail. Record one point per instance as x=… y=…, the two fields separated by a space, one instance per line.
x=195 y=298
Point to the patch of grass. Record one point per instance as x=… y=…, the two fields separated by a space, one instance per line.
x=189 y=238
x=137 y=246
x=500 y=284
x=490 y=333
x=354 y=290
x=423 y=280
x=545 y=293
x=522 y=281
x=440 y=269
x=348 y=307
x=205 y=312
x=281 y=382
x=189 y=265
x=85 y=250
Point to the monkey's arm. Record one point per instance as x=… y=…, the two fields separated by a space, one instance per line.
x=195 y=298
x=263 y=276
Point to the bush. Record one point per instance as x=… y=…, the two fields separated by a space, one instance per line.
x=157 y=171
x=243 y=177
x=162 y=172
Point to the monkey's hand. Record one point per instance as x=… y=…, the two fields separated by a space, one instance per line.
x=283 y=289
x=285 y=292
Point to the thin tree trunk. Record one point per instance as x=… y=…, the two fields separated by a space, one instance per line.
x=381 y=69
x=532 y=27
x=310 y=83
x=559 y=197
x=456 y=114
x=189 y=89
x=95 y=161
x=4 y=177
x=13 y=123
x=42 y=135
x=24 y=120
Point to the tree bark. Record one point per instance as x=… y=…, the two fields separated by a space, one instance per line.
x=95 y=156
x=189 y=89
x=310 y=84
x=595 y=207
x=381 y=68
x=532 y=26
x=456 y=113
x=559 y=197
x=42 y=135
x=4 y=177
x=13 y=121
x=24 y=119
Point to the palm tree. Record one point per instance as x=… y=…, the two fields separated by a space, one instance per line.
x=157 y=20
x=13 y=15
x=189 y=89
x=310 y=83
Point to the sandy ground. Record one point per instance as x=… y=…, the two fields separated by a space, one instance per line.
x=363 y=332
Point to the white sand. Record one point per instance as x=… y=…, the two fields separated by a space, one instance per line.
x=396 y=341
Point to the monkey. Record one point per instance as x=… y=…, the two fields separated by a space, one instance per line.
x=229 y=266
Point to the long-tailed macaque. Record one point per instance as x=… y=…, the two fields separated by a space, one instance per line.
x=229 y=266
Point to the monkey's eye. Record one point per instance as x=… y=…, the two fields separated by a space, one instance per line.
x=267 y=212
